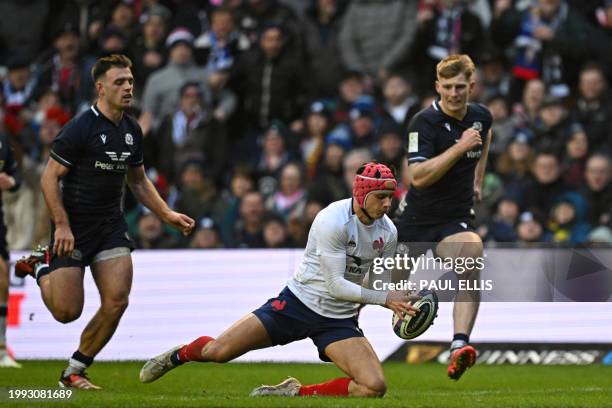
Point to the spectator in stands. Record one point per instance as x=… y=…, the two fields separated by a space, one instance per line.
x=248 y=230
x=312 y=145
x=350 y=89
x=551 y=126
x=548 y=40
x=329 y=185
x=253 y=15
x=319 y=30
x=445 y=28
x=290 y=198
x=566 y=223
x=400 y=103
x=352 y=161
x=600 y=237
x=190 y=133
x=206 y=235
x=516 y=161
x=275 y=233
x=152 y=234
x=270 y=84
x=197 y=195
x=501 y=228
x=23 y=28
x=526 y=112
x=574 y=160
x=598 y=189
x=495 y=77
x=529 y=230
x=376 y=36
x=362 y=128
x=594 y=107
x=502 y=127
x=546 y=186
x=274 y=155
x=148 y=48
x=161 y=91
x=218 y=48
x=123 y=19
x=18 y=91
x=242 y=182
x=390 y=147
x=65 y=72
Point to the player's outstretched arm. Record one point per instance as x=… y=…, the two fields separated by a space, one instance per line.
x=63 y=240
x=481 y=166
x=428 y=172
x=145 y=192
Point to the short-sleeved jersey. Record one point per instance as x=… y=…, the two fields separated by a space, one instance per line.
x=430 y=133
x=98 y=154
x=337 y=232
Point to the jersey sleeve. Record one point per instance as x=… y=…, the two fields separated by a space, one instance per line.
x=66 y=148
x=420 y=140
x=137 y=159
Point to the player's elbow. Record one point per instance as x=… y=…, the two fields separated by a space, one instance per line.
x=419 y=182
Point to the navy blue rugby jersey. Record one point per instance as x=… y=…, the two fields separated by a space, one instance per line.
x=98 y=154
x=430 y=133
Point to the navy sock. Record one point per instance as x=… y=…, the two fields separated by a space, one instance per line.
x=461 y=336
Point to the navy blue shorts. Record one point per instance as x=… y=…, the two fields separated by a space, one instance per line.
x=420 y=238
x=287 y=320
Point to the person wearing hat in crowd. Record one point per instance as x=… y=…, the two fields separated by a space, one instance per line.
x=329 y=186
x=206 y=235
x=363 y=128
x=321 y=301
x=317 y=125
x=274 y=153
x=515 y=163
x=575 y=157
x=546 y=184
x=566 y=220
x=529 y=230
x=161 y=93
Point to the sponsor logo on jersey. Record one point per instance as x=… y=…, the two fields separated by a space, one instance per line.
x=463 y=224
x=129 y=139
x=103 y=137
x=113 y=156
x=447 y=126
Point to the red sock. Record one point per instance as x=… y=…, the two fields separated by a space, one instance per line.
x=193 y=350
x=337 y=387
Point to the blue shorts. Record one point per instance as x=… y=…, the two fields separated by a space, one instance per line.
x=287 y=320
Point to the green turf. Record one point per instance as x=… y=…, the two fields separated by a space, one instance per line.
x=210 y=385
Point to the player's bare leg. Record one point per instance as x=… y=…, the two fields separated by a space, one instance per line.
x=245 y=335
x=356 y=357
x=463 y=245
x=6 y=360
x=113 y=277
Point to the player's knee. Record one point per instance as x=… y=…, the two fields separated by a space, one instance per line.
x=375 y=387
x=66 y=315
x=115 y=306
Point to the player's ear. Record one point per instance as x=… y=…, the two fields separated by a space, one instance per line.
x=99 y=87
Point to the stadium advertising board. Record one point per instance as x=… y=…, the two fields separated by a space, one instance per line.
x=177 y=295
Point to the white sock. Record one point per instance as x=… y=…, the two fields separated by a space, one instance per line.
x=74 y=367
x=457 y=344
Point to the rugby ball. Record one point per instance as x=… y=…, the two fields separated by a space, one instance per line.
x=413 y=326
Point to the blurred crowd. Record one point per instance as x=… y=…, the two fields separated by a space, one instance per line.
x=257 y=113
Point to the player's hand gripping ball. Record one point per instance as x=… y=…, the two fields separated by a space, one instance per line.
x=413 y=326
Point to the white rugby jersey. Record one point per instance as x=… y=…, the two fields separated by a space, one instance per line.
x=337 y=234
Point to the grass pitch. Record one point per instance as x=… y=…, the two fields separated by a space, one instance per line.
x=213 y=385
